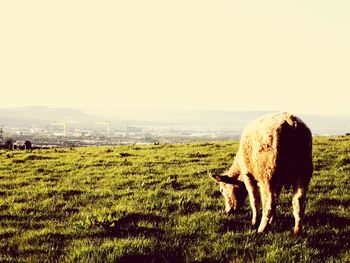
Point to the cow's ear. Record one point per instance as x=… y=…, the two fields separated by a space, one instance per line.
x=216 y=177
x=229 y=179
x=225 y=179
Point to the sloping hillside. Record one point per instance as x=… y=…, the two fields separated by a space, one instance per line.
x=157 y=203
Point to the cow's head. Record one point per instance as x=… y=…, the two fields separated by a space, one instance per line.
x=233 y=190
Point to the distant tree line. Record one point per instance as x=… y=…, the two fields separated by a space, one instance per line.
x=9 y=144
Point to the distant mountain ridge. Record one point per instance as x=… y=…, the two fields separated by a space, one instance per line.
x=200 y=120
x=38 y=115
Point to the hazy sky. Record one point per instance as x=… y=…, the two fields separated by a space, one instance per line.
x=217 y=55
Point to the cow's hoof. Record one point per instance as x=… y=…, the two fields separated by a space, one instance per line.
x=260 y=231
x=264 y=229
x=297 y=231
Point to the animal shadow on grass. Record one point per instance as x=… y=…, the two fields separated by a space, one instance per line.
x=333 y=202
x=234 y=223
x=21 y=222
x=129 y=226
x=55 y=240
x=31 y=253
x=328 y=244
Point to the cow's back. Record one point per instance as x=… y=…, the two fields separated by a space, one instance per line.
x=277 y=146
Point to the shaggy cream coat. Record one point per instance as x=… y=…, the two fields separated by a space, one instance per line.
x=275 y=151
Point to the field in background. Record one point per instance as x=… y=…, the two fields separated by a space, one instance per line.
x=157 y=203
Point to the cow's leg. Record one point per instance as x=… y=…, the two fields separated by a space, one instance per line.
x=298 y=207
x=275 y=197
x=268 y=205
x=254 y=197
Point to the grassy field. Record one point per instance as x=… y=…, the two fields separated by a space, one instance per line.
x=157 y=203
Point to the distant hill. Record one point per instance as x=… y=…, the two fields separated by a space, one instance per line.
x=38 y=116
x=200 y=120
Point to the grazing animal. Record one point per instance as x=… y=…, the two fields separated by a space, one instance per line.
x=275 y=151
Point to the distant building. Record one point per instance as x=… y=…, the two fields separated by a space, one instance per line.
x=28 y=145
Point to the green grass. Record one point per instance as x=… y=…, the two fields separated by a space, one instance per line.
x=157 y=203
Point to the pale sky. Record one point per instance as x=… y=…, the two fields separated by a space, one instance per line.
x=208 y=55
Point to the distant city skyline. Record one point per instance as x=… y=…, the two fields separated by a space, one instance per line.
x=120 y=56
x=36 y=117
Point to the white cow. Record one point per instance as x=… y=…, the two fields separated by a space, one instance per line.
x=275 y=151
